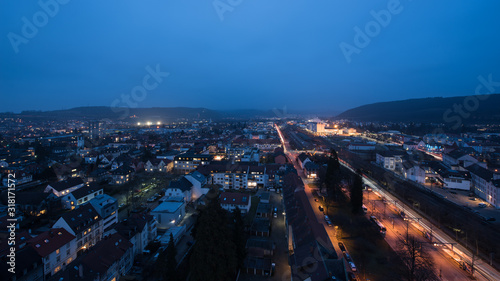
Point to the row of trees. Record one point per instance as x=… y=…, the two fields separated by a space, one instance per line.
x=332 y=181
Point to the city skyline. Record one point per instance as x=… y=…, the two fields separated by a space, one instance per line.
x=328 y=57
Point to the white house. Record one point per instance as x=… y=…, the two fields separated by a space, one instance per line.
x=459 y=158
x=390 y=160
x=486 y=184
x=109 y=260
x=81 y=196
x=180 y=188
x=158 y=165
x=169 y=213
x=57 y=247
x=447 y=177
x=413 y=172
x=198 y=182
x=65 y=187
x=230 y=200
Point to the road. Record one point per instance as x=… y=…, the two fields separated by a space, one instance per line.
x=308 y=190
x=447 y=257
x=397 y=228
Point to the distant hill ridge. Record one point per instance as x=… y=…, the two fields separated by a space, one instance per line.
x=435 y=110
x=155 y=113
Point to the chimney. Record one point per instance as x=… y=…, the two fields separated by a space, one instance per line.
x=80 y=271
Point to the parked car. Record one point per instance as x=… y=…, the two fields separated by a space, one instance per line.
x=491 y=219
x=481 y=205
x=321 y=208
x=329 y=222
x=342 y=247
x=353 y=267
x=347 y=257
x=351 y=276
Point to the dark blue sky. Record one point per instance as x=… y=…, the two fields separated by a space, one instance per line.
x=261 y=54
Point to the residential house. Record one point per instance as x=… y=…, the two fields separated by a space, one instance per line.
x=413 y=172
x=122 y=175
x=98 y=175
x=307 y=237
x=81 y=196
x=446 y=177
x=169 y=213
x=84 y=223
x=390 y=160
x=65 y=187
x=257 y=177
x=180 y=188
x=261 y=227
x=139 y=229
x=228 y=175
x=111 y=258
x=302 y=159
x=34 y=203
x=158 y=165
x=19 y=177
x=264 y=210
x=188 y=162
x=485 y=184
x=56 y=247
x=410 y=145
x=459 y=158
x=198 y=181
x=28 y=265
x=232 y=200
x=107 y=207
x=311 y=170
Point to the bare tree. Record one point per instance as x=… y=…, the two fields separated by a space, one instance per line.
x=418 y=263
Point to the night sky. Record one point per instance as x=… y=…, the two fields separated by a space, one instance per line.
x=324 y=55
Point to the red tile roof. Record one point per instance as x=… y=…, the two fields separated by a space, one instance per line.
x=49 y=241
x=234 y=198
